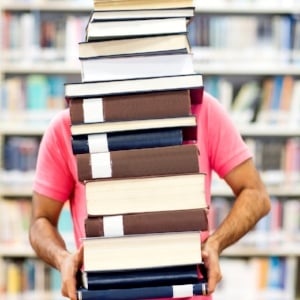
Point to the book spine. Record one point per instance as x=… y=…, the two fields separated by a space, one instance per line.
x=175 y=291
x=126 y=140
x=131 y=107
x=151 y=222
x=138 y=162
x=174 y=275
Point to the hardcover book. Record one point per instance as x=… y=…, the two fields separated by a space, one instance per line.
x=186 y=12
x=185 y=274
x=110 y=29
x=134 y=45
x=147 y=222
x=164 y=104
x=144 y=65
x=135 y=4
x=168 y=291
x=131 y=86
x=138 y=162
x=142 y=251
x=160 y=194
x=136 y=139
x=121 y=126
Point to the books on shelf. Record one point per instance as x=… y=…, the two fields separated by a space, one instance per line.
x=133 y=4
x=121 y=126
x=142 y=251
x=109 y=29
x=147 y=222
x=134 y=45
x=164 y=104
x=145 y=194
x=130 y=86
x=138 y=162
x=136 y=66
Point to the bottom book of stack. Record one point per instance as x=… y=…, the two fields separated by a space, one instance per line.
x=145 y=283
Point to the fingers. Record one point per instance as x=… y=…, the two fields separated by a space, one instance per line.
x=211 y=261
x=69 y=270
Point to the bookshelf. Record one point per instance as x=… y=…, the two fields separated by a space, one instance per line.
x=229 y=63
x=47 y=68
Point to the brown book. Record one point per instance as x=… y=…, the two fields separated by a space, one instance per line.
x=120 y=196
x=147 y=222
x=142 y=251
x=165 y=104
x=138 y=162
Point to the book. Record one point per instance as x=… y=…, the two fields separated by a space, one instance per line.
x=145 y=194
x=110 y=29
x=173 y=275
x=147 y=222
x=125 y=46
x=162 y=104
x=136 y=139
x=142 y=251
x=131 y=86
x=121 y=126
x=149 y=13
x=176 y=62
x=168 y=291
x=134 y=4
x=138 y=162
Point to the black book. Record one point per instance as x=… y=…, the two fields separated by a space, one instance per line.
x=136 y=139
x=137 y=278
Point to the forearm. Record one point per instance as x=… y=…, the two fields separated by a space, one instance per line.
x=47 y=242
x=249 y=206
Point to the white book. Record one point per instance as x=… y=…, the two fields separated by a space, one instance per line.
x=136 y=66
x=124 y=28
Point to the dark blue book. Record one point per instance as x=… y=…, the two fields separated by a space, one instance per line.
x=150 y=277
x=167 y=291
x=137 y=139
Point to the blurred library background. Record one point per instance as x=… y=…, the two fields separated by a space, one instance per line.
x=249 y=54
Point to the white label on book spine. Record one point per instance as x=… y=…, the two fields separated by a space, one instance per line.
x=113 y=226
x=100 y=164
x=182 y=291
x=93 y=110
x=98 y=143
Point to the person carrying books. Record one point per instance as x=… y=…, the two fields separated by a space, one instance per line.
x=221 y=150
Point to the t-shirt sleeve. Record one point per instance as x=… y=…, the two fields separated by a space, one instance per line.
x=53 y=177
x=226 y=147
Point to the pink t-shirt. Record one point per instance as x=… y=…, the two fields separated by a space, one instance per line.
x=220 y=146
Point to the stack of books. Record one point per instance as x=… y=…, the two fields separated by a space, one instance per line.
x=133 y=134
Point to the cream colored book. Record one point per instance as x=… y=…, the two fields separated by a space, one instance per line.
x=145 y=194
x=138 y=4
x=142 y=251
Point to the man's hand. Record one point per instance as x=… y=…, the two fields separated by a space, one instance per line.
x=210 y=256
x=69 y=268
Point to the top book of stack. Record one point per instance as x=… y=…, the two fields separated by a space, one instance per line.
x=138 y=4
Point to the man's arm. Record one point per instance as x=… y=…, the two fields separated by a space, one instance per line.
x=251 y=204
x=49 y=245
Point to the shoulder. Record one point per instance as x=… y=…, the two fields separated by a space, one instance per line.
x=61 y=120
x=210 y=110
x=59 y=126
